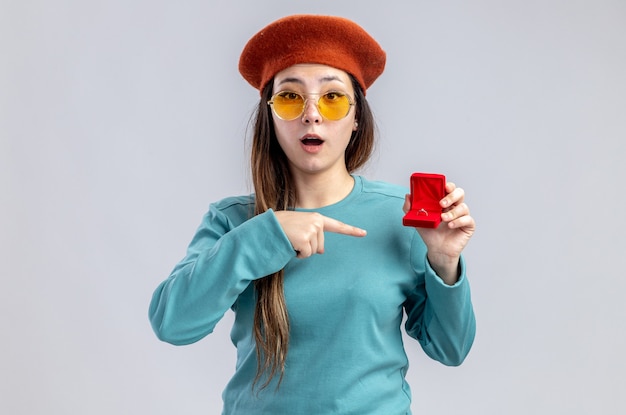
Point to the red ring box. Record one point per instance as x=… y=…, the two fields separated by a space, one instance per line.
x=427 y=189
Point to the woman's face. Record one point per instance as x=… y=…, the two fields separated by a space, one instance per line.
x=312 y=143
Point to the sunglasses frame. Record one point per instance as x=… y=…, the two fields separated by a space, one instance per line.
x=271 y=104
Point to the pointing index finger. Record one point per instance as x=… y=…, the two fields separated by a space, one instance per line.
x=335 y=226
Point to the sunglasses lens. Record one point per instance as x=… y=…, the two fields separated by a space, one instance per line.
x=288 y=105
x=334 y=105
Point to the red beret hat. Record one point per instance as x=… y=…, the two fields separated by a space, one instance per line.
x=327 y=40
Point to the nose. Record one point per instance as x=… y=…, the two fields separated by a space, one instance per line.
x=311 y=113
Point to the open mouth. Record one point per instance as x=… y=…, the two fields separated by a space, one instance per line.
x=311 y=141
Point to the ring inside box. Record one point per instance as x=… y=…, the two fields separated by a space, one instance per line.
x=427 y=189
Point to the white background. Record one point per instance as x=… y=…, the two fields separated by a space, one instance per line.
x=121 y=120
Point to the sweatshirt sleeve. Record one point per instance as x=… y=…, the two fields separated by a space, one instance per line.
x=220 y=263
x=440 y=316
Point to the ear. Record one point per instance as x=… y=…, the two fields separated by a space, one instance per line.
x=356 y=125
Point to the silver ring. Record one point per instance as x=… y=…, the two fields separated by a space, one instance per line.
x=422 y=212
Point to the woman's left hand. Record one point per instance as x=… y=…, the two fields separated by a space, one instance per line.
x=446 y=242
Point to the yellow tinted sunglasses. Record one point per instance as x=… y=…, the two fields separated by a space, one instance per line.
x=289 y=105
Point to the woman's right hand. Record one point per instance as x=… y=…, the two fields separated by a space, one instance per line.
x=305 y=230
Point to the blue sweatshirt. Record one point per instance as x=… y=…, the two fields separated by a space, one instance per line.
x=346 y=354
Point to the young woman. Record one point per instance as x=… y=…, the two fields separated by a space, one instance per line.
x=316 y=264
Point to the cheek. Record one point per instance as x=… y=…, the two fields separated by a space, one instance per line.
x=348 y=129
x=283 y=133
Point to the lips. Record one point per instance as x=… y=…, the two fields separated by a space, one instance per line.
x=311 y=140
x=311 y=143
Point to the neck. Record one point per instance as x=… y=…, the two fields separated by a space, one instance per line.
x=316 y=190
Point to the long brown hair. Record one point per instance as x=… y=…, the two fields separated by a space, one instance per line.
x=275 y=189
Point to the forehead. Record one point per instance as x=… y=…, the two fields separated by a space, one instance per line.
x=311 y=75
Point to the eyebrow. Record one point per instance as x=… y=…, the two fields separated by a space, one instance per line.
x=327 y=78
